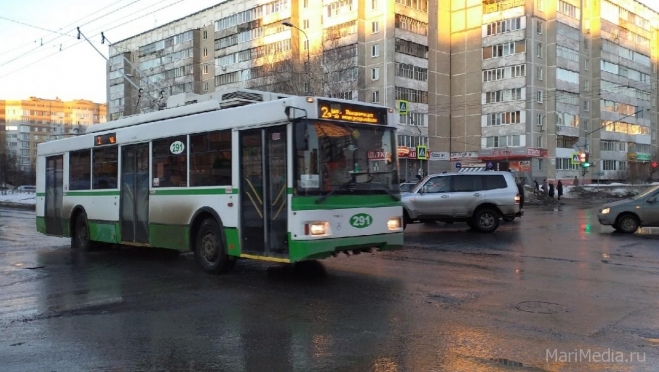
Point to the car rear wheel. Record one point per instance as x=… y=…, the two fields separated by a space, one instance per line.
x=627 y=224
x=486 y=220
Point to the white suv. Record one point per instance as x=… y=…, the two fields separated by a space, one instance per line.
x=480 y=199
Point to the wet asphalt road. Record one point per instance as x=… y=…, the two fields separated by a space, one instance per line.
x=454 y=300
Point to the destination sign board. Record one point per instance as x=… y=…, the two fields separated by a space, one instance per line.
x=352 y=112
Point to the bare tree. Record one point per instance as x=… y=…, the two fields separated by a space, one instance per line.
x=329 y=70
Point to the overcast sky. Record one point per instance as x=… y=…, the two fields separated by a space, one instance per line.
x=31 y=63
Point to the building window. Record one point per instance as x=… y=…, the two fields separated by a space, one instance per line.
x=586 y=62
x=375 y=27
x=305 y=24
x=539 y=50
x=305 y=45
x=375 y=96
x=374 y=4
x=538 y=142
x=205 y=69
x=539 y=73
x=539 y=96
x=566 y=142
x=538 y=120
x=586 y=85
x=205 y=34
x=375 y=50
x=306 y=3
x=539 y=5
x=586 y=105
x=375 y=73
x=539 y=164
x=206 y=87
x=538 y=27
x=205 y=52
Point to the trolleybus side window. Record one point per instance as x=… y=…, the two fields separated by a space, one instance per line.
x=170 y=164
x=105 y=168
x=210 y=159
x=80 y=170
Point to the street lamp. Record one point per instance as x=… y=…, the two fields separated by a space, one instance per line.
x=308 y=67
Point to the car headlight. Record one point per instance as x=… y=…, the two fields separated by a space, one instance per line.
x=393 y=223
x=605 y=211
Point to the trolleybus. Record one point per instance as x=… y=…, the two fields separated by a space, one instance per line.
x=239 y=174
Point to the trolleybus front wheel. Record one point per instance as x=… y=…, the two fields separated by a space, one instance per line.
x=210 y=251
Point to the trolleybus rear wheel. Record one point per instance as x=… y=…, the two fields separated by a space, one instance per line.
x=80 y=238
x=210 y=250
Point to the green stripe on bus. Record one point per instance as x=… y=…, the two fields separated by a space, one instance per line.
x=92 y=193
x=41 y=225
x=306 y=203
x=104 y=231
x=193 y=191
x=169 y=236
x=41 y=194
x=290 y=191
x=323 y=248
x=233 y=241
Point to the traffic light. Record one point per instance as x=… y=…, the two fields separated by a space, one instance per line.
x=584 y=160
x=654 y=164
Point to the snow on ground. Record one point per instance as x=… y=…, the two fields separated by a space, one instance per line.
x=19 y=198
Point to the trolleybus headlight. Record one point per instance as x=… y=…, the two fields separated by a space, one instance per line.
x=394 y=223
x=316 y=228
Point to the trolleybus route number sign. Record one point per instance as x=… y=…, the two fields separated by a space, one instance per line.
x=361 y=220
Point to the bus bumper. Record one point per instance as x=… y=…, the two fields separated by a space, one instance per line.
x=301 y=250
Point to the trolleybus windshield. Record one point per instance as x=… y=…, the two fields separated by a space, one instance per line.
x=339 y=157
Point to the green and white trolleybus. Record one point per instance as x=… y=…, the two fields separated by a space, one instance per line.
x=235 y=174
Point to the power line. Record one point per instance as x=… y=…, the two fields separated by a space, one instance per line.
x=78 y=42
x=86 y=23
x=33 y=26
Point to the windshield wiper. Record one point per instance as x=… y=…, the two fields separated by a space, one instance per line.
x=384 y=188
x=344 y=186
x=340 y=187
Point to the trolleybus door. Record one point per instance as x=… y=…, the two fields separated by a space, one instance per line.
x=135 y=193
x=54 y=194
x=263 y=190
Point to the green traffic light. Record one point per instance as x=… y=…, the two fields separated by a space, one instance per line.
x=585 y=164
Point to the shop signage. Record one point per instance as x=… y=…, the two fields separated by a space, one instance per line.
x=438 y=155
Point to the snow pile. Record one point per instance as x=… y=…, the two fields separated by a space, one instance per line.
x=27 y=199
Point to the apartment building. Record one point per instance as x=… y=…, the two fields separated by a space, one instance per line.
x=555 y=77
x=368 y=50
x=498 y=84
x=26 y=123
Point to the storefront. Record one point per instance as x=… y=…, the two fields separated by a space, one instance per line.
x=412 y=163
x=516 y=159
x=639 y=166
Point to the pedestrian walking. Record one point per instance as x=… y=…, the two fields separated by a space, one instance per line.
x=544 y=187
x=576 y=181
x=537 y=187
x=559 y=189
x=551 y=190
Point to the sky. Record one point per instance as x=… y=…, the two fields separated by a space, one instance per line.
x=41 y=56
x=31 y=63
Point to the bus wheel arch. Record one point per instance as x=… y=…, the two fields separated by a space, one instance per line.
x=207 y=236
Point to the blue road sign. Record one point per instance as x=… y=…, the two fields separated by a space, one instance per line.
x=458 y=165
x=489 y=165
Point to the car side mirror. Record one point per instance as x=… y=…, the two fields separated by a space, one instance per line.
x=652 y=200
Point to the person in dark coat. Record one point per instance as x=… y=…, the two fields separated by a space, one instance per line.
x=559 y=189
x=537 y=187
x=551 y=190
